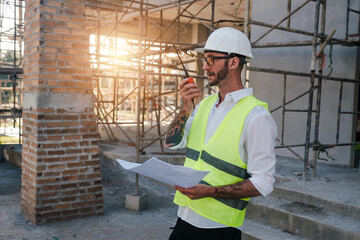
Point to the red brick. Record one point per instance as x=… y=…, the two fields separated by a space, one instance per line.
x=55 y=138
x=70 y=117
x=69 y=130
x=50 y=145
x=79 y=205
x=55 y=159
x=96 y=175
x=58 y=90
x=95 y=189
x=72 y=171
x=49 y=188
x=70 y=178
x=73 y=137
x=70 y=185
x=69 y=144
x=74 y=151
x=68 y=158
x=68 y=199
x=53 y=124
x=51 y=174
x=57 y=166
x=87 y=197
x=58 y=152
x=44 y=209
x=54 y=3
x=50 y=201
x=70 y=212
x=62 y=206
x=84 y=184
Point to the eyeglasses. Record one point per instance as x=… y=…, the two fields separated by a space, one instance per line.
x=210 y=60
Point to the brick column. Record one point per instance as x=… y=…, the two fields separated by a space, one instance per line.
x=61 y=177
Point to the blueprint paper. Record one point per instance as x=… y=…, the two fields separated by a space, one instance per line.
x=165 y=172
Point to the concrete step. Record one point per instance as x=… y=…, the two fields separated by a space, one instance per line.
x=303 y=220
x=343 y=208
x=252 y=230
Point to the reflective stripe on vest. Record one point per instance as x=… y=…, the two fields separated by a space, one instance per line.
x=221 y=157
x=192 y=154
x=218 y=163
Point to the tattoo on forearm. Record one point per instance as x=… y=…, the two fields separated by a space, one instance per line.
x=175 y=131
x=241 y=189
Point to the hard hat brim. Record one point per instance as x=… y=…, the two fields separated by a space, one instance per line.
x=203 y=50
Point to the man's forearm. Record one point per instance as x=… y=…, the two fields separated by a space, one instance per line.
x=241 y=189
x=176 y=129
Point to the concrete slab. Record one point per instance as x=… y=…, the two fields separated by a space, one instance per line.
x=332 y=183
x=334 y=188
x=117 y=223
x=303 y=220
x=256 y=231
x=330 y=179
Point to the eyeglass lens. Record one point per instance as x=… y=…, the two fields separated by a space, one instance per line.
x=209 y=60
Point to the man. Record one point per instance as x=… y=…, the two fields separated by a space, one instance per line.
x=230 y=134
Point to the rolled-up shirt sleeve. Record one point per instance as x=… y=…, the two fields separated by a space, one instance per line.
x=260 y=136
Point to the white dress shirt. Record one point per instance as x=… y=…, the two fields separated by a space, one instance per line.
x=256 y=148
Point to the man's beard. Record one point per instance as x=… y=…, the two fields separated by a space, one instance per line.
x=221 y=75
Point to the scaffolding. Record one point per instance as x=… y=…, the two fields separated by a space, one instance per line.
x=136 y=72
x=11 y=69
x=316 y=78
x=152 y=73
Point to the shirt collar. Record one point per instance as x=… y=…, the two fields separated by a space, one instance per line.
x=238 y=95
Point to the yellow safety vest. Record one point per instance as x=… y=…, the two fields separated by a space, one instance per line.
x=221 y=157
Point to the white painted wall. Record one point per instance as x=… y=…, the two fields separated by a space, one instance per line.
x=268 y=87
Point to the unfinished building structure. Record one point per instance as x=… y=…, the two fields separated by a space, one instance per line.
x=122 y=52
x=185 y=24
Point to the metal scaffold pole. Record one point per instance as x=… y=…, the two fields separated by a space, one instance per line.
x=311 y=93
x=139 y=88
x=318 y=90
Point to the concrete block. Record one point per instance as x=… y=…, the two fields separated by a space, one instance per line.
x=12 y=154
x=136 y=202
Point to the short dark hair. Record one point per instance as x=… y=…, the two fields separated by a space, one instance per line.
x=240 y=57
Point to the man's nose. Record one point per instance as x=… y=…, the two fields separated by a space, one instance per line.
x=205 y=66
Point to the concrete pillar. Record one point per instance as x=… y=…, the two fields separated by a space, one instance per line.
x=61 y=177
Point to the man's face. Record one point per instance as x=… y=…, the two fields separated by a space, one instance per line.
x=216 y=69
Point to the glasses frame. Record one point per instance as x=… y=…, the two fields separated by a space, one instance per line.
x=205 y=59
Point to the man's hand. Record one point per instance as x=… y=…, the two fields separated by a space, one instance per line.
x=188 y=91
x=196 y=192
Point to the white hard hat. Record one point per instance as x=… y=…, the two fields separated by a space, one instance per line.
x=228 y=40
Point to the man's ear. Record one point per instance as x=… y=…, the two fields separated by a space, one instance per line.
x=234 y=63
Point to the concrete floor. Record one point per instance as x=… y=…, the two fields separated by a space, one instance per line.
x=118 y=223
x=339 y=184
